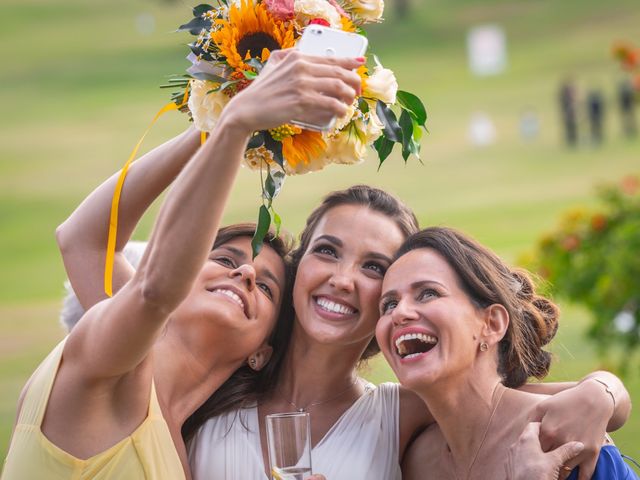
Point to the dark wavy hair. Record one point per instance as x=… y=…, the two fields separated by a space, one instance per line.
x=362 y=195
x=487 y=280
x=245 y=385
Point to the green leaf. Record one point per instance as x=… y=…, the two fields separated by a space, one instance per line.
x=269 y=186
x=361 y=31
x=277 y=221
x=195 y=25
x=249 y=75
x=384 y=147
x=256 y=141
x=414 y=105
x=409 y=146
x=224 y=85
x=363 y=105
x=264 y=222
x=274 y=147
x=209 y=77
x=201 y=9
x=256 y=64
x=391 y=128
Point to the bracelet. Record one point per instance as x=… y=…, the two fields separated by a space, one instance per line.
x=607 y=389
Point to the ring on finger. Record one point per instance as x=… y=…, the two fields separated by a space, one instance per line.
x=566 y=469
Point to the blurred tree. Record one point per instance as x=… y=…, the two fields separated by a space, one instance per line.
x=593 y=259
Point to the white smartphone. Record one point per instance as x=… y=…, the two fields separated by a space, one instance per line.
x=323 y=41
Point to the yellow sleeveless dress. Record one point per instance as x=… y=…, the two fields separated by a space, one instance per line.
x=148 y=453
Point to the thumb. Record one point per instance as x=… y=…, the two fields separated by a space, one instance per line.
x=566 y=452
x=316 y=477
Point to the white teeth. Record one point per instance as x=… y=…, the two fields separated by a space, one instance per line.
x=232 y=295
x=334 y=307
x=401 y=348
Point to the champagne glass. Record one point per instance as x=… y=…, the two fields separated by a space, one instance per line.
x=289 y=444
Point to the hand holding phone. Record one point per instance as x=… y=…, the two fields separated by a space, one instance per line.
x=322 y=41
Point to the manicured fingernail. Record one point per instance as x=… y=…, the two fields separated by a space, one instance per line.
x=361 y=59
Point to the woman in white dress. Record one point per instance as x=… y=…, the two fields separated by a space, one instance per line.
x=358 y=432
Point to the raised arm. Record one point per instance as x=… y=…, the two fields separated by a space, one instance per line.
x=117 y=334
x=82 y=238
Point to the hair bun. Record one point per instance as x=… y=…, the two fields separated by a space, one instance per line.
x=549 y=312
x=524 y=288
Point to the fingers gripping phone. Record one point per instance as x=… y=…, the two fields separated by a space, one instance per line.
x=323 y=41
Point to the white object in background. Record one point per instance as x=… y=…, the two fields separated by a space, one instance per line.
x=624 y=321
x=482 y=131
x=145 y=24
x=487 y=50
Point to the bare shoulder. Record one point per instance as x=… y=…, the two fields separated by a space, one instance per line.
x=414 y=418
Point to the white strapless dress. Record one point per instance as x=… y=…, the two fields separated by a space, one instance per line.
x=361 y=445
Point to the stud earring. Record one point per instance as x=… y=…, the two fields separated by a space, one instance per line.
x=252 y=362
x=484 y=347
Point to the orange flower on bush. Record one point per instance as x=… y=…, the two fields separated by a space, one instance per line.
x=571 y=242
x=630 y=184
x=628 y=56
x=598 y=222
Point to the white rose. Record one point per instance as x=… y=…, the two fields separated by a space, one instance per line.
x=382 y=84
x=307 y=10
x=206 y=107
x=366 y=10
x=346 y=119
x=372 y=128
x=347 y=147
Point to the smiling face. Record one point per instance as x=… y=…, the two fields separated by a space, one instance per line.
x=339 y=277
x=429 y=327
x=235 y=298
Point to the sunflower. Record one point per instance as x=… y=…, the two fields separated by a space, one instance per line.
x=303 y=152
x=250 y=32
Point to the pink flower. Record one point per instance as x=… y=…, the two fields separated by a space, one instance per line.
x=338 y=8
x=280 y=9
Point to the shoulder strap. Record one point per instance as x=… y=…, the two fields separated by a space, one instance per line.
x=36 y=398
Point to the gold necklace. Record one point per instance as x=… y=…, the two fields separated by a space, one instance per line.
x=315 y=404
x=484 y=434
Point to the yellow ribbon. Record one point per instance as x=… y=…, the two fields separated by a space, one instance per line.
x=113 y=219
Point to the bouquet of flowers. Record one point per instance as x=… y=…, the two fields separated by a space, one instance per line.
x=234 y=39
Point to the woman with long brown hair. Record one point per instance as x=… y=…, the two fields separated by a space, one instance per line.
x=464 y=331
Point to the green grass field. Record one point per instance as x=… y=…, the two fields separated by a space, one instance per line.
x=79 y=86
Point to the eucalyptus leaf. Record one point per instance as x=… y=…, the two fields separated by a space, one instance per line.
x=262 y=227
x=209 y=77
x=222 y=86
x=391 y=128
x=414 y=105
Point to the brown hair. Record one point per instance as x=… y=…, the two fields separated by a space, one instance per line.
x=487 y=280
x=361 y=195
x=244 y=386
